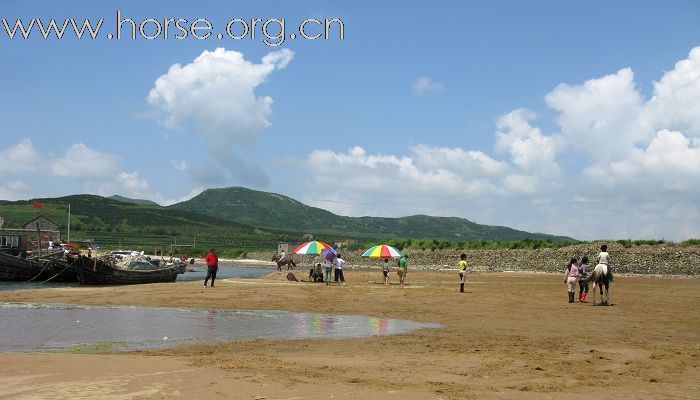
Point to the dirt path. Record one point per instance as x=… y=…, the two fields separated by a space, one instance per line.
x=512 y=335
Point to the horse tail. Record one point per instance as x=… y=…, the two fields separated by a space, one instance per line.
x=599 y=272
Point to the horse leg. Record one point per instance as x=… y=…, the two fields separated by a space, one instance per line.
x=607 y=294
x=279 y=266
x=595 y=284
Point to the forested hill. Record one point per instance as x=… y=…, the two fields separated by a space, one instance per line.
x=274 y=211
x=96 y=213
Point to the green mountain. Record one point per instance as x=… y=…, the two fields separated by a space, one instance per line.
x=276 y=212
x=133 y=201
x=240 y=217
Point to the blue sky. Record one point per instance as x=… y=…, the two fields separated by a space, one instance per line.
x=574 y=118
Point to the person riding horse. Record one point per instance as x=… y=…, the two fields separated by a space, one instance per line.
x=282 y=259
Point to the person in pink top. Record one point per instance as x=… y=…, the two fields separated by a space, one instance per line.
x=570 y=276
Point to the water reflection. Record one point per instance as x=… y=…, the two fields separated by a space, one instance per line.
x=29 y=327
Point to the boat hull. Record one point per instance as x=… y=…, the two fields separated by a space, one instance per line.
x=17 y=269
x=93 y=271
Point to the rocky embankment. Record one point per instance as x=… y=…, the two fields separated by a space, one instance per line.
x=658 y=259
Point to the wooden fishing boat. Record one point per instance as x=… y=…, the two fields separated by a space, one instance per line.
x=106 y=271
x=15 y=266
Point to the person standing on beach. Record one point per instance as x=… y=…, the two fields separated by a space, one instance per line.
x=583 y=280
x=385 y=271
x=570 y=276
x=462 y=272
x=403 y=268
x=339 y=262
x=212 y=266
x=328 y=267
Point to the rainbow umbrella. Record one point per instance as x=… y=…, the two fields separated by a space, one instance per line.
x=312 y=248
x=382 y=251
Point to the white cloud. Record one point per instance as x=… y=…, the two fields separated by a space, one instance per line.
x=675 y=104
x=528 y=147
x=217 y=92
x=132 y=182
x=670 y=163
x=425 y=84
x=80 y=161
x=474 y=164
x=432 y=180
x=603 y=118
x=21 y=157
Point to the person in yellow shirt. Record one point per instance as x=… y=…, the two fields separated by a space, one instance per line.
x=462 y=272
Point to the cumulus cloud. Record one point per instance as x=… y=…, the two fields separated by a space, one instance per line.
x=529 y=148
x=675 y=104
x=132 y=182
x=124 y=183
x=670 y=163
x=604 y=117
x=433 y=180
x=80 y=161
x=468 y=164
x=21 y=157
x=425 y=84
x=217 y=93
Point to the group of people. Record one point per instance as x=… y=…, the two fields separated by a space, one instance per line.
x=576 y=271
x=334 y=265
x=579 y=271
x=402 y=269
x=323 y=274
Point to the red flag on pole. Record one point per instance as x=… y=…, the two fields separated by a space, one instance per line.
x=37 y=204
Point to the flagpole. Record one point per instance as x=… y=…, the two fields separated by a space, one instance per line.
x=68 y=222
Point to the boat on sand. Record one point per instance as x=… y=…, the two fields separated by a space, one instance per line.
x=127 y=271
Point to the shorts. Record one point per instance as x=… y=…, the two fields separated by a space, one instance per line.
x=386 y=273
x=401 y=272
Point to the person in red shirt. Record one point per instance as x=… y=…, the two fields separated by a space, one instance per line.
x=212 y=266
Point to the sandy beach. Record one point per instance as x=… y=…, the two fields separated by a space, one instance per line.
x=512 y=335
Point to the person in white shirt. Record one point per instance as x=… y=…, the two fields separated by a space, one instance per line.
x=339 y=262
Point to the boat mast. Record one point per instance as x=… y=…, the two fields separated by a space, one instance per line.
x=68 y=222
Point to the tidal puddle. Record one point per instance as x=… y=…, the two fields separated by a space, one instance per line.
x=57 y=327
x=225 y=271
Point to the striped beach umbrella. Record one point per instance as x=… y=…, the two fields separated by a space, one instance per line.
x=312 y=248
x=382 y=251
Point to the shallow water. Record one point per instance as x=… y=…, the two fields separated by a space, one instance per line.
x=56 y=327
x=225 y=271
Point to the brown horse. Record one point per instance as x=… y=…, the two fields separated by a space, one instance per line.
x=284 y=261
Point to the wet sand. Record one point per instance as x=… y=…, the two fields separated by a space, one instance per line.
x=512 y=335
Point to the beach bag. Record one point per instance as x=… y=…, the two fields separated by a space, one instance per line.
x=291 y=277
